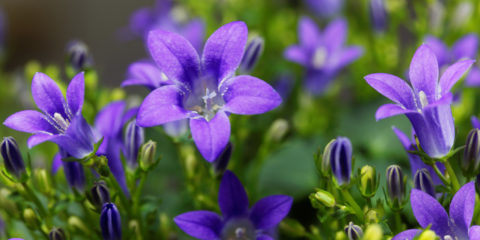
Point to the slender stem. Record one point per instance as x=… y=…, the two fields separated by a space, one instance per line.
x=397 y=221
x=348 y=197
x=453 y=176
x=440 y=174
x=35 y=200
x=369 y=202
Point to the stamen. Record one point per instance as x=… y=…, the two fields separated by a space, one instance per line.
x=62 y=124
x=319 y=57
x=423 y=99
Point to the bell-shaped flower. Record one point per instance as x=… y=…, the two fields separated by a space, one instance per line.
x=426 y=103
x=60 y=121
x=205 y=90
x=323 y=54
x=430 y=213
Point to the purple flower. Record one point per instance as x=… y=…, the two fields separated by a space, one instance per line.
x=475 y=122
x=428 y=211
x=110 y=121
x=465 y=47
x=60 y=121
x=74 y=172
x=323 y=54
x=205 y=89
x=427 y=104
x=378 y=15
x=161 y=17
x=238 y=222
x=325 y=8
x=147 y=74
x=416 y=163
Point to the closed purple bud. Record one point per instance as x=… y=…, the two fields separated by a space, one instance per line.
x=477 y=183
x=74 y=174
x=110 y=222
x=57 y=234
x=99 y=194
x=221 y=163
x=471 y=156
x=395 y=186
x=354 y=232
x=340 y=158
x=78 y=55
x=134 y=138
x=12 y=158
x=252 y=54
x=423 y=181
x=378 y=15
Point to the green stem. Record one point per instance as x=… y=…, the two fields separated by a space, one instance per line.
x=453 y=176
x=397 y=221
x=440 y=175
x=348 y=197
x=34 y=198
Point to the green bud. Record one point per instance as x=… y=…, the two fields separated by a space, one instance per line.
x=147 y=155
x=57 y=234
x=101 y=165
x=371 y=216
x=325 y=198
x=373 y=232
x=292 y=228
x=323 y=163
x=78 y=225
x=42 y=181
x=368 y=181
x=30 y=218
x=278 y=130
x=340 y=235
x=428 y=235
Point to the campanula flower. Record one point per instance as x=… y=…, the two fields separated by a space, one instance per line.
x=323 y=54
x=60 y=121
x=416 y=163
x=110 y=222
x=109 y=122
x=427 y=104
x=429 y=212
x=238 y=221
x=205 y=89
x=465 y=47
x=325 y=8
x=378 y=15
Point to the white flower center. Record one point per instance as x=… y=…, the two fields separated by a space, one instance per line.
x=423 y=99
x=319 y=57
x=239 y=229
x=60 y=123
x=206 y=104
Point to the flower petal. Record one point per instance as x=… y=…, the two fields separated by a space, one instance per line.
x=145 y=73
x=462 y=207
x=203 y=225
x=308 y=33
x=389 y=110
x=232 y=198
x=453 y=74
x=30 y=121
x=162 y=105
x=407 y=235
x=270 y=211
x=47 y=95
x=175 y=57
x=224 y=50
x=466 y=47
x=112 y=152
x=212 y=136
x=440 y=49
x=407 y=144
x=428 y=210
x=250 y=95
x=264 y=237
x=38 y=138
x=475 y=122
x=473 y=77
x=424 y=72
x=56 y=163
x=76 y=93
x=346 y=56
x=392 y=87
x=109 y=120
x=335 y=34
x=296 y=54
x=79 y=138
x=194 y=32
x=474 y=233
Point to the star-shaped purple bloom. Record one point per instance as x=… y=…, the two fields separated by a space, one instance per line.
x=205 y=89
x=429 y=212
x=109 y=122
x=238 y=222
x=60 y=121
x=427 y=104
x=465 y=47
x=323 y=54
x=416 y=162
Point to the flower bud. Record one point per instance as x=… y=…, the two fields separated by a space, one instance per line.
x=252 y=54
x=477 y=183
x=322 y=161
x=30 y=218
x=340 y=158
x=378 y=15
x=74 y=174
x=325 y=198
x=471 y=155
x=423 y=181
x=428 y=235
x=368 y=181
x=354 y=232
x=134 y=138
x=42 y=181
x=99 y=194
x=110 y=222
x=12 y=158
x=147 y=155
x=78 y=55
x=373 y=232
x=278 y=130
x=57 y=234
x=221 y=163
x=395 y=186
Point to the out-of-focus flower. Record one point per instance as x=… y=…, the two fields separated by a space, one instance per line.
x=110 y=121
x=423 y=181
x=464 y=48
x=60 y=121
x=238 y=221
x=354 y=232
x=78 y=55
x=323 y=54
x=427 y=105
x=340 y=159
x=252 y=54
x=205 y=89
x=325 y=8
x=284 y=85
x=416 y=163
x=110 y=222
x=12 y=157
x=431 y=214
x=475 y=122
x=378 y=15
